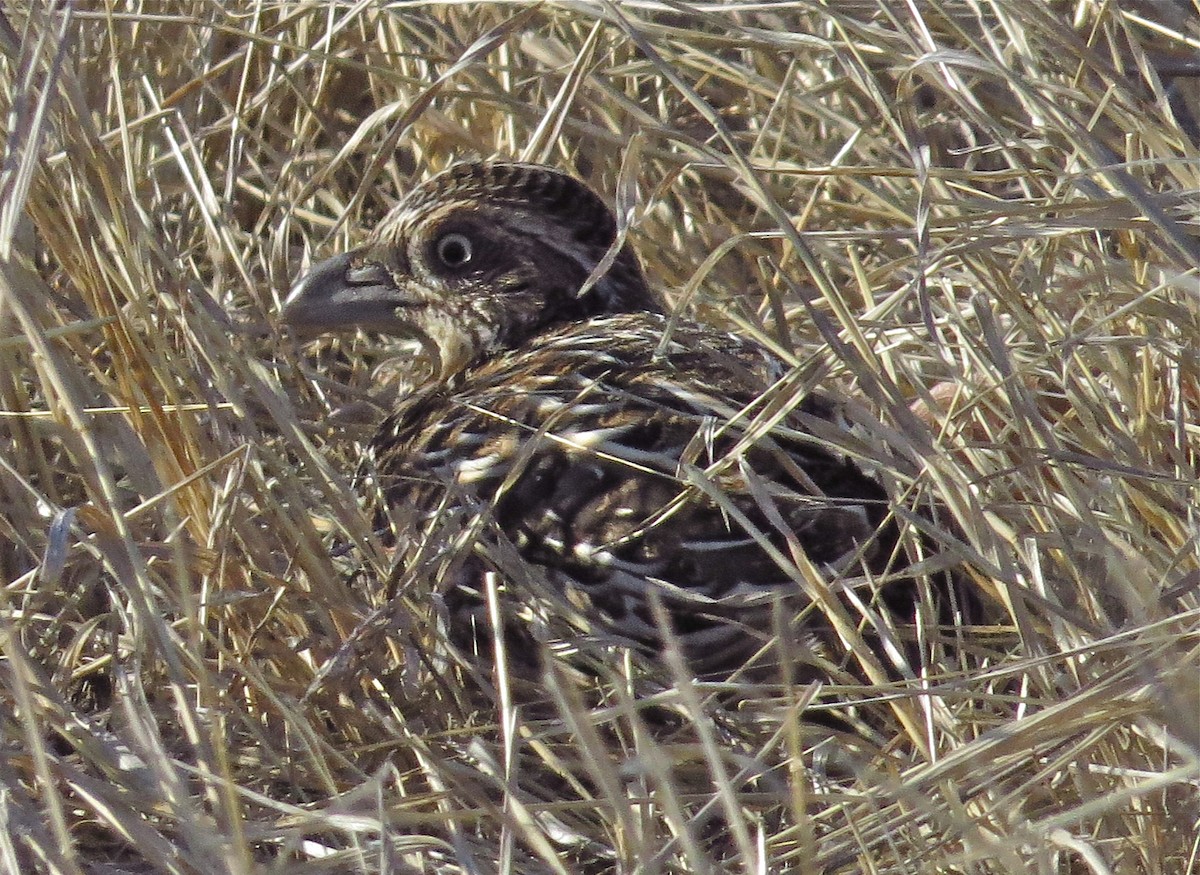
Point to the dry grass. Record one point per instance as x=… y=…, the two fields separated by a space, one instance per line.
x=995 y=205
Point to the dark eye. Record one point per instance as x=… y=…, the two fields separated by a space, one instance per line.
x=454 y=250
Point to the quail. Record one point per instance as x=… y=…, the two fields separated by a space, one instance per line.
x=627 y=460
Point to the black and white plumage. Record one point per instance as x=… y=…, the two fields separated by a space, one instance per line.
x=618 y=453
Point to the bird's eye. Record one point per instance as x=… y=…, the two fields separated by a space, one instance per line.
x=454 y=250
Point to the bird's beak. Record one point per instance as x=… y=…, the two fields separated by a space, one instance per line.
x=336 y=295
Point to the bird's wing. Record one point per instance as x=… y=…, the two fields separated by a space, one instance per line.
x=626 y=464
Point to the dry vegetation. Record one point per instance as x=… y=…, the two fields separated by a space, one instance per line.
x=996 y=207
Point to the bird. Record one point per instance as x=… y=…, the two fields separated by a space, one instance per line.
x=636 y=464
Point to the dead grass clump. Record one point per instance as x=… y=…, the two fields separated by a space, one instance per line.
x=986 y=210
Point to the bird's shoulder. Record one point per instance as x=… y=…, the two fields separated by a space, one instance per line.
x=639 y=364
x=636 y=395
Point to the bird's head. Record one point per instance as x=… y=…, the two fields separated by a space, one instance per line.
x=478 y=259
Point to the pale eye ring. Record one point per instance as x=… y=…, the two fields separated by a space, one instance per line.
x=455 y=250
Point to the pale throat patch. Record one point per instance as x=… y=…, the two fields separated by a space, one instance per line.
x=454 y=343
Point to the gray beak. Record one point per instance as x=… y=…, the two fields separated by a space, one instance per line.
x=335 y=295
